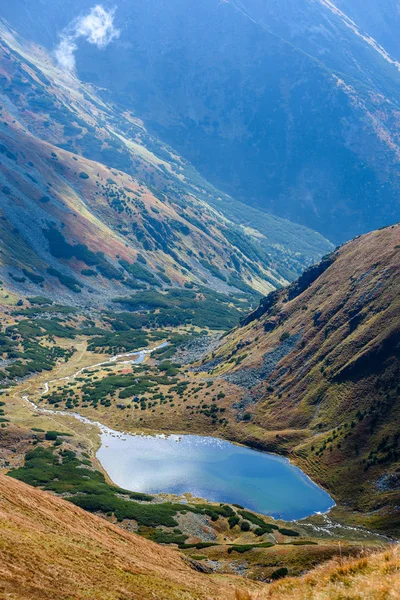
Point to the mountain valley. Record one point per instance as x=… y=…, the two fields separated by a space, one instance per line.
x=290 y=106
x=152 y=287
x=243 y=391
x=101 y=201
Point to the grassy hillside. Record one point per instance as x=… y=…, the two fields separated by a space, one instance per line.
x=372 y=577
x=318 y=374
x=48 y=546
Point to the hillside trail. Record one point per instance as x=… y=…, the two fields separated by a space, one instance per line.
x=139 y=356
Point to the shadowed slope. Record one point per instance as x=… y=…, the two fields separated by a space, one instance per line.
x=287 y=104
x=85 y=192
x=319 y=373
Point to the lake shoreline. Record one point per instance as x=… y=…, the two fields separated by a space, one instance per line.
x=343 y=521
x=105 y=430
x=344 y=514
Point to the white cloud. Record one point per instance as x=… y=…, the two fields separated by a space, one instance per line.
x=96 y=28
x=65 y=53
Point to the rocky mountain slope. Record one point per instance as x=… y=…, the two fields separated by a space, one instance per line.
x=316 y=374
x=380 y=20
x=92 y=206
x=291 y=106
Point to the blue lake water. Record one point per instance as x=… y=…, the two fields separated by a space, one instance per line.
x=205 y=467
x=213 y=469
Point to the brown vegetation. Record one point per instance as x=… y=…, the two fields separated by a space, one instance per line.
x=374 y=577
x=52 y=549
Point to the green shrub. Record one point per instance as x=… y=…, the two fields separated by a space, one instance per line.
x=234 y=520
x=69 y=282
x=37 y=279
x=288 y=532
x=266 y=527
x=166 y=537
x=279 y=573
x=241 y=548
x=40 y=301
x=198 y=546
x=245 y=526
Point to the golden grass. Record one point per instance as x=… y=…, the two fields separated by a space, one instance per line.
x=373 y=577
x=51 y=549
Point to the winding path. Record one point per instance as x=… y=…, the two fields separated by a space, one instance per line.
x=140 y=356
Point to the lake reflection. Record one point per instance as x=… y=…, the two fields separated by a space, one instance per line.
x=212 y=469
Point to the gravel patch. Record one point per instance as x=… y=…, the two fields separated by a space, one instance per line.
x=129 y=525
x=245 y=402
x=249 y=378
x=215 y=565
x=197 y=526
x=388 y=482
x=196 y=348
x=209 y=366
x=239 y=568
